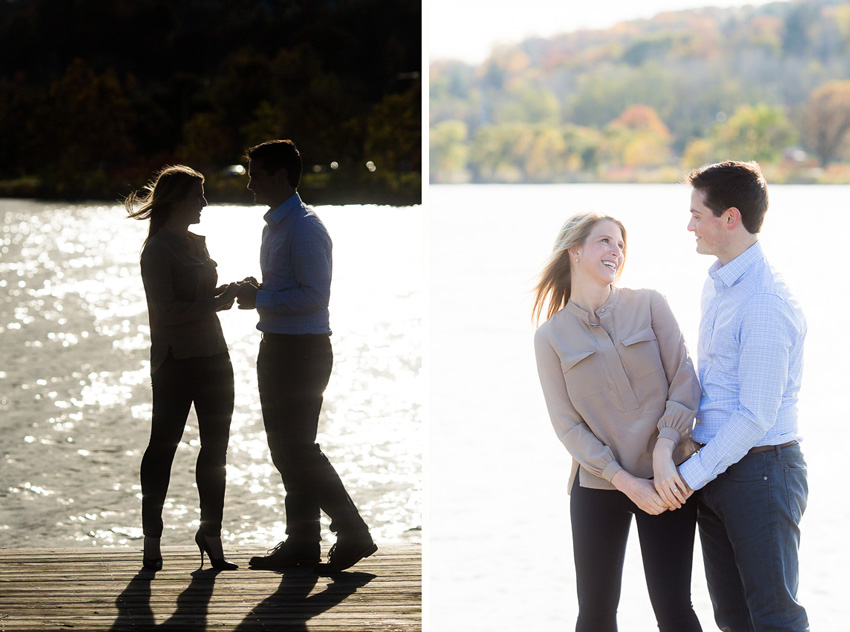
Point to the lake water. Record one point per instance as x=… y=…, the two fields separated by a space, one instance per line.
x=75 y=386
x=499 y=552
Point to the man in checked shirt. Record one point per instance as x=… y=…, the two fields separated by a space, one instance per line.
x=749 y=473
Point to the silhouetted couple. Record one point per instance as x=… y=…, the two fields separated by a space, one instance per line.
x=190 y=363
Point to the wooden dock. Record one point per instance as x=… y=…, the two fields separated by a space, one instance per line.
x=91 y=590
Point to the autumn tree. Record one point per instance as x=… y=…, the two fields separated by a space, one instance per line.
x=827 y=119
x=639 y=138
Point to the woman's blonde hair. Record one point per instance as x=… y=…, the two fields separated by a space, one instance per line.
x=161 y=195
x=554 y=285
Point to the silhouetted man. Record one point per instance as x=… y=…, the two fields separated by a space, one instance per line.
x=295 y=361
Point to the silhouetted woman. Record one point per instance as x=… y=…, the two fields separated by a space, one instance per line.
x=189 y=359
x=622 y=395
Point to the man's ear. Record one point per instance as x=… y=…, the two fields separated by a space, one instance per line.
x=732 y=217
x=281 y=175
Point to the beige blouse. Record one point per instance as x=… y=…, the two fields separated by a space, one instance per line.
x=180 y=284
x=612 y=389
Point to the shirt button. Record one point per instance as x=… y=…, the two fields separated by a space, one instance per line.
x=602 y=310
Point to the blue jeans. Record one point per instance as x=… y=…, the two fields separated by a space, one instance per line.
x=749 y=525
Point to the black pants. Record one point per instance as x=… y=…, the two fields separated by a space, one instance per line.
x=600 y=521
x=177 y=384
x=293 y=372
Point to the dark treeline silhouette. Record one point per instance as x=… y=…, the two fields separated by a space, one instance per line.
x=97 y=94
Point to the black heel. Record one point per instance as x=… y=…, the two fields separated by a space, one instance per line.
x=220 y=564
x=152 y=563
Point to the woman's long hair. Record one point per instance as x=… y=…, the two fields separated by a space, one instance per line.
x=162 y=195
x=554 y=285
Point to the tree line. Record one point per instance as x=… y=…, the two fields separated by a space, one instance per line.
x=646 y=99
x=97 y=94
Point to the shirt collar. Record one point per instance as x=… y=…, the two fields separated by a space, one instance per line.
x=735 y=269
x=279 y=214
x=603 y=310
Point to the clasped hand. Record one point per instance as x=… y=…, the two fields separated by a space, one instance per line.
x=668 y=491
x=243 y=292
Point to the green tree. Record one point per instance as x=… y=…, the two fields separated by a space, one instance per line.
x=547 y=157
x=529 y=105
x=497 y=152
x=448 y=150
x=394 y=139
x=206 y=142
x=85 y=128
x=753 y=132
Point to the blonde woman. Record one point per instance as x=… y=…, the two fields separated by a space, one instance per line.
x=189 y=359
x=621 y=393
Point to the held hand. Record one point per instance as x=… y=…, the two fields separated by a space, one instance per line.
x=640 y=491
x=224 y=299
x=247 y=296
x=667 y=481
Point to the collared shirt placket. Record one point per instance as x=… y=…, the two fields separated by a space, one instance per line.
x=616 y=371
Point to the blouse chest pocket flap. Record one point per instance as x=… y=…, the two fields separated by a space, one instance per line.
x=582 y=374
x=641 y=355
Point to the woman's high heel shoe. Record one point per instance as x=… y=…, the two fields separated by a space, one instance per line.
x=152 y=563
x=220 y=563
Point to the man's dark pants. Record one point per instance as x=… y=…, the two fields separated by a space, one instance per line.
x=749 y=526
x=293 y=371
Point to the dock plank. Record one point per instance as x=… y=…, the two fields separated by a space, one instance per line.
x=95 y=590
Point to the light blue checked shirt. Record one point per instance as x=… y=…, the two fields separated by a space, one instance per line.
x=750 y=356
x=295 y=258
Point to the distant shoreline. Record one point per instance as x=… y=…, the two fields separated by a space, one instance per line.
x=317 y=190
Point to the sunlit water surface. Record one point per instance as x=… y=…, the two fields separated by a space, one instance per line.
x=75 y=398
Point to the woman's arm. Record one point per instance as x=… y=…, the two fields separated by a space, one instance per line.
x=682 y=403
x=584 y=446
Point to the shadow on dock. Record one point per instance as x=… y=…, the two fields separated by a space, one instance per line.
x=100 y=590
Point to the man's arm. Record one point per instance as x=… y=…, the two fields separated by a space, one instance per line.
x=311 y=262
x=768 y=332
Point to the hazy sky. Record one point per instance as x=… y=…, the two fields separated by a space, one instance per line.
x=468 y=29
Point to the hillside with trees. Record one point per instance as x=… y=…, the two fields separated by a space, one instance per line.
x=97 y=94
x=647 y=99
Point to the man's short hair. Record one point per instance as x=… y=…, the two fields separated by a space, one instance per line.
x=274 y=155
x=733 y=183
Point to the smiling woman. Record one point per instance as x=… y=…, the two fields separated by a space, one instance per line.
x=621 y=393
